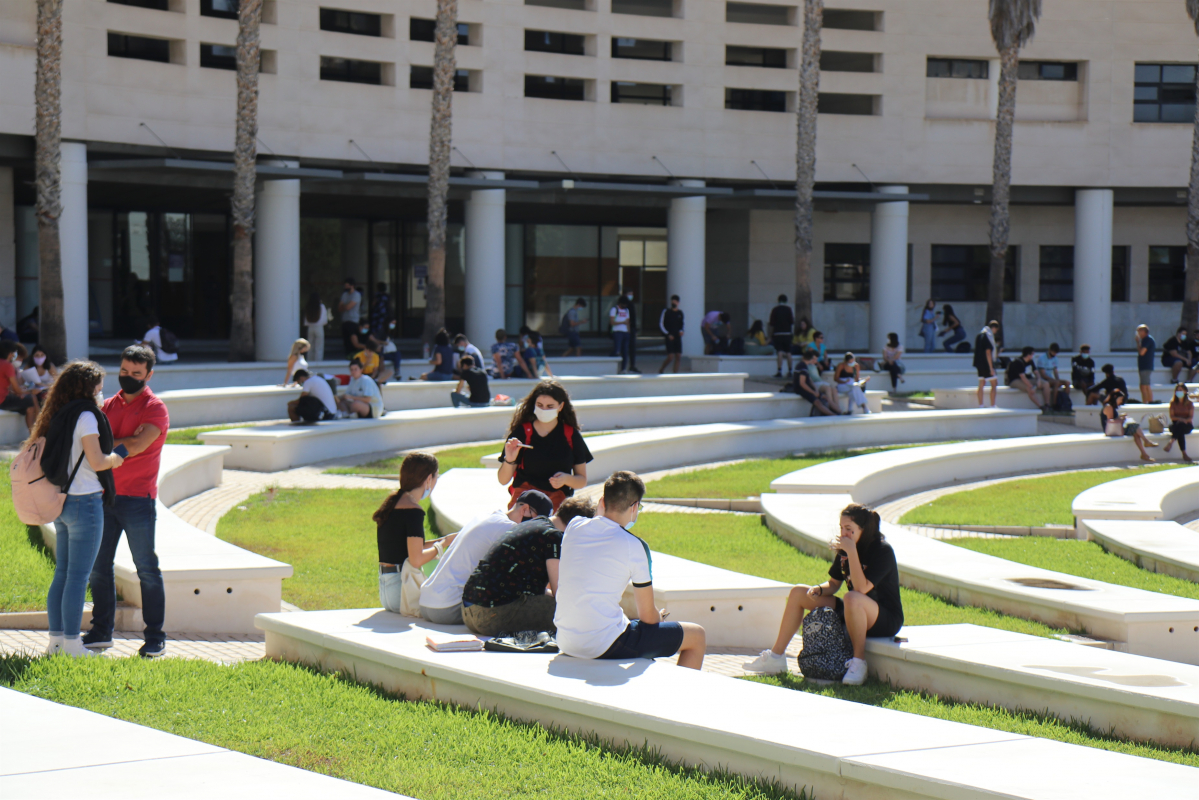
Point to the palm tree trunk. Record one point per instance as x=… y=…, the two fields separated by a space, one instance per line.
x=440 y=131
x=245 y=156
x=805 y=154
x=48 y=177
x=1190 y=297
x=1009 y=59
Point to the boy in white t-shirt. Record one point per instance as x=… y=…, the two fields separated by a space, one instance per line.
x=599 y=558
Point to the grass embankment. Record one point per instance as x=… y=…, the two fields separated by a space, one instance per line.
x=26 y=566
x=1030 y=502
x=192 y=435
x=330 y=725
x=447 y=459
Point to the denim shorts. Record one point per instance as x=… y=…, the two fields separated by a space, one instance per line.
x=642 y=640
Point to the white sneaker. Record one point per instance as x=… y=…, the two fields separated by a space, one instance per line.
x=55 y=644
x=768 y=662
x=855 y=675
x=74 y=648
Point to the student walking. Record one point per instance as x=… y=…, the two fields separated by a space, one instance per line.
x=316 y=317
x=1146 y=347
x=569 y=327
x=928 y=325
x=618 y=321
x=79 y=458
x=892 y=360
x=632 y=308
x=782 y=322
x=671 y=325
x=349 y=306
x=985 y=351
x=1182 y=418
x=545 y=448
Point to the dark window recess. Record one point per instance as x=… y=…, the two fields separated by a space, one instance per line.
x=846 y=271
x=1164 y=93
x=219 y=8
x=847 y=20
x=1057 y=273
x=838 y=61
x=859 y=104
x=755 y=100
x=570 y=5
x=738 y=56
x=644 y=49
x=145 y=48
x=644 y=8
x=757 y=14
x=957 y=68
x=555 y=88
x=1119 y=273
x=422 y=78
x=355 y=22
x=424 y=30
x=157 y=5
x=1167 y=274
x=1047 y=71
x=351 y=71
x=549 y=42
x=645 y=94
x=961 y=272
x=218 y=56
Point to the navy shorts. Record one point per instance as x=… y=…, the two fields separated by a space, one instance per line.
x=642 y=640
x=886 y=625
x=573 y=339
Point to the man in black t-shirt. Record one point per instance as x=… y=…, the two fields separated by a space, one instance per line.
x=782 y=322
x=1177 y=355
x=1018 y=375
x=1082 y=369
x=671 y=323
x=1109 y=383
x=468 y=373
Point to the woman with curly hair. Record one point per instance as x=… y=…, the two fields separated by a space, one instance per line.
x=545 y=448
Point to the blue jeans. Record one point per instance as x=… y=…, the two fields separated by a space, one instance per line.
x=620 y=346
x=459 y=400
x=390 y=590
x=958 y=335
x=136 y=518
x=928 y=331
x=77 y=530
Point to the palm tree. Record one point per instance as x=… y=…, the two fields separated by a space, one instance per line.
x=805 y=154
x=245 y=155
x=1013 y=23
x=1190 y=298
x=48 y=176
x=445 y=38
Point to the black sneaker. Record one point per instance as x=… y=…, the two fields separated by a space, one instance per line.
x=95 y=640
x=778 y=374
x=153 y=650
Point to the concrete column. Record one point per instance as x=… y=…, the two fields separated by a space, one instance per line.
x=485 y=261
x=277 y=269
x=686 y=236
x=1092 y=269
x=8 y=250
x=888 y=270
x=72 y=237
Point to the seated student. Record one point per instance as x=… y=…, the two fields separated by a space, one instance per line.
x=1111 y=382
x=1020 y=376
x=441 y=594
x=362 y=397
x=871 y=608
x=1082 y=370
x=812 y=388
x=508 y=362
x=1124 y=426
x=507 y=591
x=1182 y=419
x=400 y=527
x=756 y=343
x=802 y=338
x=1176 y=355
x=369 y=359
x=296 y=361
x=470 y=375
x=1048 y=379
x=442 y=358
x=166 y=347
x=532 y=349
x=848 y=377
x=463 y=347
x=545 y=448
x=822 y=357
x=13 y=396
x=317 y=401
x=38 y=372
x=599 y=559
x=892 y=362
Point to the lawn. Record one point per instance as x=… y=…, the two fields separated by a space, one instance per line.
x=1084 y=559
x=1031 y=502
x=330 y=725
x=26 y=566
x=192 y=435
x=447 y=459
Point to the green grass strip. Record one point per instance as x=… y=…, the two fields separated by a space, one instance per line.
x=1025 y=502
x=192 y=435
x=447 y=459
x=330 y=725
x=1084 y=559
x=26 y=566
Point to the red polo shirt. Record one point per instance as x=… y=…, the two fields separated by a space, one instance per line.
x=138 y=476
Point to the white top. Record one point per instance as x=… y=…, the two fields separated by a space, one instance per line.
x=474 y=353
x=319 y=388
x=443 y=589
x=85 y=481
x=154 y=337
x=599 y=558
x=301 y=363
x=31 y=377
x=620 y=318
x=322 y=321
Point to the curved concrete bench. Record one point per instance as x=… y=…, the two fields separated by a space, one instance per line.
x=1087 y=417
x=1165 y=494
x=1159 y=546
x=1008 y=397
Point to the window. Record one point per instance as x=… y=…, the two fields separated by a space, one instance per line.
x=956 y=68
x=757 y=14
x=755 y=100
x=847 y=20
x=218 y=56
x=737 y=56
x=219 y=8
x=424 y=30
x=351 y=70
x=1119 y=274
x=351 y=22
x=961 y=272
x=847 y=272
x=143 y=47
x=1164 y=93
x=1047 y=71
x=157 y=5
x=644 y=8
x=422 y=78
x=571 y=5
x=1167 y=274
x=549 y=42
x=555 y=88
x=644 y=49
x=859 y=104
x=645 y=94
x=1057 y=273
x=835 y=61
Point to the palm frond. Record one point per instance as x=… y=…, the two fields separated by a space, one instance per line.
x=1013 y=22
x=1193 y=11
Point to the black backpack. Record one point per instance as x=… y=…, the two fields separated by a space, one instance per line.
x=826 y=646
x=963 y=347
x=170 y=344
x=1063 y=402
x=564 y=327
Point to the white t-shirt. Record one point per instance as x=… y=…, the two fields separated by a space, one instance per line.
x=85 y=481
x=321 y=321
x=154 y=337
x=620 y=319
x=443 y=589
x=31 y=377
x=474 y=353
x=599 y=558
x=301 y=363
x=319 y=388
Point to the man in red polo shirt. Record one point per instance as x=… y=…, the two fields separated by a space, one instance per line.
x=139 y=421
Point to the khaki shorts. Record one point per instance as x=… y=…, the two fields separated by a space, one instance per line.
x=529 y=613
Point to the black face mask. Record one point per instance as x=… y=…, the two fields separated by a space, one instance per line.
x=130 y=385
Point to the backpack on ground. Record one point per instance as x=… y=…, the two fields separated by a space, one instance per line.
x=826 y=646
x=36 y=500
x=962 y=347
x=1063 y=402
x=170 y=343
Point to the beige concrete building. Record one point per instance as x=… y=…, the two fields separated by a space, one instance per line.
x=605 y=145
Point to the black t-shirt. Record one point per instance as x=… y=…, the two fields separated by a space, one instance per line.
x=515 y=565
x=476 y=379
x=1017 y=368
x=1106 y=385
x=781 y=319
x=672 y=321
x=880 y=568
x=982 y=343
x=1083 y=366
x=394 y=532
x=1173 y=344
x=550 y=455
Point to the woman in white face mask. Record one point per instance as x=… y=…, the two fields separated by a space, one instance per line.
x=545 y=448
x=1182 y=418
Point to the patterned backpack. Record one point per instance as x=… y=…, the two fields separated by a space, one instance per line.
x=826 y=646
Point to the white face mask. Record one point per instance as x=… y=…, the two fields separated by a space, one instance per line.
x=546 y=414
x=100 y=397
x=1181 y=395
x=633 y=521
x=428 y=492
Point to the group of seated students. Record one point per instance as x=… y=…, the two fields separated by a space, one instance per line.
x=847 y=380
x=319 y=401
x=554 y=562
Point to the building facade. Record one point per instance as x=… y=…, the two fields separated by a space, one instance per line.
x=605 y=145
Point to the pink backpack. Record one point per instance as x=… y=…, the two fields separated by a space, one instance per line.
x=37 y=501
